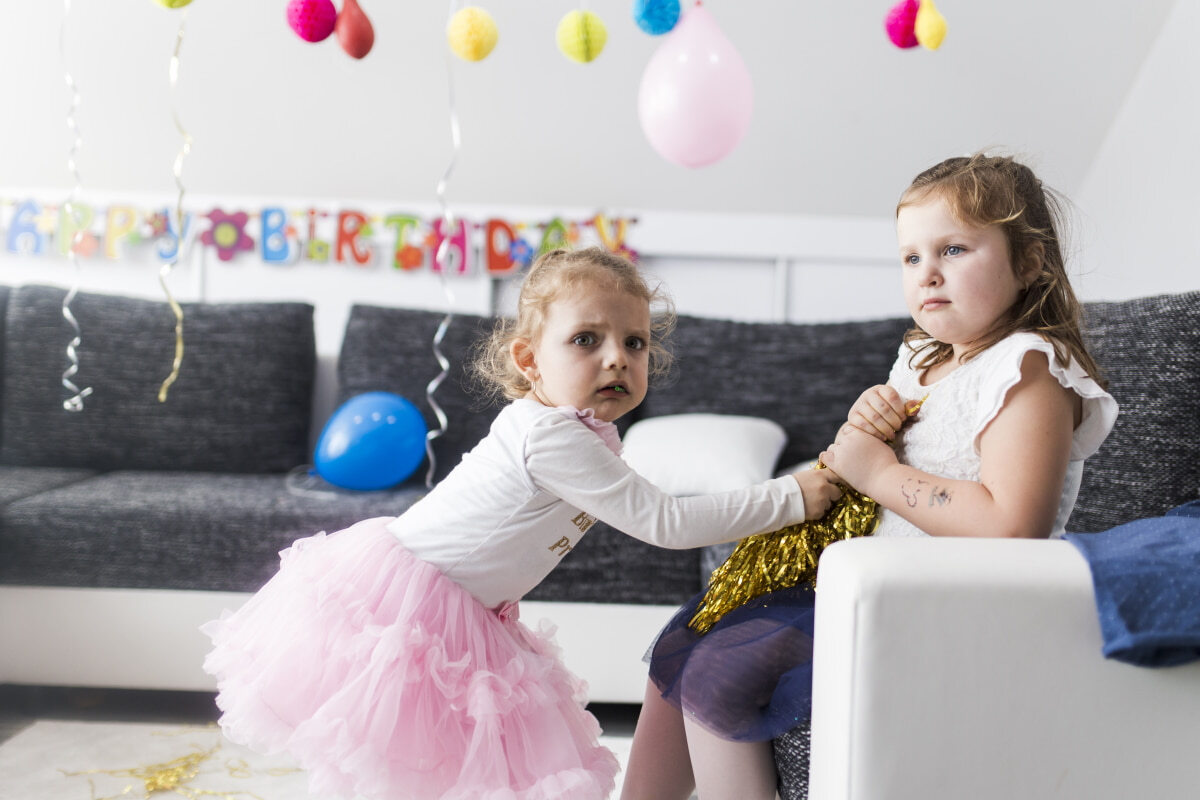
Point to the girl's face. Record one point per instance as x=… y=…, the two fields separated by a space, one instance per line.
x=593 y=352
x=959 y=282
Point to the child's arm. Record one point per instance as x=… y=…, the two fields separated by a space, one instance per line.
x=820 y=490
x=576 y=467
x=1023 y=459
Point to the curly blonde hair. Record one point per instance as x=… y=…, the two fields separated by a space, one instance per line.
x=987 y=190
x=553 y=275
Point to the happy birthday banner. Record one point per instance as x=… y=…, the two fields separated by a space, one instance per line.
x=279 y=236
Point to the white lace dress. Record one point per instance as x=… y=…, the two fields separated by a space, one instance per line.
x=943 y=439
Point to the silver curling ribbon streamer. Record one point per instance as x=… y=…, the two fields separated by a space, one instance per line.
x=177 y=169
x=448 y=223
x=430 y=389
x=73 y=403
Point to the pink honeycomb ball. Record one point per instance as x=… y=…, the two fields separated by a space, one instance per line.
x=312 y=20
x=900 y=22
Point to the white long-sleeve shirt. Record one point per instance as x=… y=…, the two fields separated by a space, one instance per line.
x=525 y=495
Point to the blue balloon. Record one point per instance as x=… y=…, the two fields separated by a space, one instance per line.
x=656 y=17
x=373 y=441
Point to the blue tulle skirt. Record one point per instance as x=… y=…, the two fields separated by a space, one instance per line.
x=749 y=678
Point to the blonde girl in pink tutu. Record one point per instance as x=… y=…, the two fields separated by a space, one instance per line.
x=388 y=657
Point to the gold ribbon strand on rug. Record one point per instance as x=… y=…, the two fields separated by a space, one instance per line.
x=781 y=559
x=174 y=775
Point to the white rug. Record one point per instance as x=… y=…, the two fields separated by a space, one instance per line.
x=57 y=760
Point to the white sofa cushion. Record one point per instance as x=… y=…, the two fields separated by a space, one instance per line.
x=690 y=454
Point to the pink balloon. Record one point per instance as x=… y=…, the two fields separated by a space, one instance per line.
x=696 y=96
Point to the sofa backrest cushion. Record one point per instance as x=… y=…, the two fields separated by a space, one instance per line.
x=5 y=291
x=803 y=376
x=1149 y=349
x=242 y=401
x=391 y=350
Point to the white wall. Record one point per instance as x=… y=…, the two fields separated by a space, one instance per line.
x=1140 y=203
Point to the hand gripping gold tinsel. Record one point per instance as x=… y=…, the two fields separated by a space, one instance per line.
x=787 y=557
x=783 y=558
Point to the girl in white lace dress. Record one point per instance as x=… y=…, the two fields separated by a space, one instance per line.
x=1013 y=404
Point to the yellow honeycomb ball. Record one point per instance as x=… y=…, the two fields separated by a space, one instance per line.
x=172 y=3
x=929 y=26
x=472 y=33
x=581 y=36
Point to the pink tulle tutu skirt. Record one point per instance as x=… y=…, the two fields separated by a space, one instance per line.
x=386 y=679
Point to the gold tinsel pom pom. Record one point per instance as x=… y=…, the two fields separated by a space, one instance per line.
x=783 y=558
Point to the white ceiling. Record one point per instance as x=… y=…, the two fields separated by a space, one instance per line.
x=842 y=119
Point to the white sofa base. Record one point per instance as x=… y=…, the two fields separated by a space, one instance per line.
x=149 y=639
x=972 y=669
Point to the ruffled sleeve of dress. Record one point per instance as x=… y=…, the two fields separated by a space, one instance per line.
x=607 y=431
x=1004 y=372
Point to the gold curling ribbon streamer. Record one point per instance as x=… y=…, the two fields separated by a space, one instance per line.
x=781 y=559
x=178 y=171
x=168 y=776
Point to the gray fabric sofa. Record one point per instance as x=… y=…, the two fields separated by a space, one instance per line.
x=133 y=493
x=194 y=494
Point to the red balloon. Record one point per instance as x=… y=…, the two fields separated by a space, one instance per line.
x=354 y=31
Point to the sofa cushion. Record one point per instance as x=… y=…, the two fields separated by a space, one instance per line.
x=171 y=530
x=242 y=402
x=391 y=350
x=223 y=532
x=5 y=291
x=691 y=454
x=792 y=751
x=805 y=377
x=1149 y=349
x=18 y=482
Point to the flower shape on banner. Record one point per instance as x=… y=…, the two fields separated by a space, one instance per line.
x=521 y=252
x=157 y=224
x=227 y=234
x=409 y=257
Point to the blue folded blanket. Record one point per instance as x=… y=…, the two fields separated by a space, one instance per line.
x=1146 y=575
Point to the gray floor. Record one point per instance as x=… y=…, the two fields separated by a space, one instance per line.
x=22 y=705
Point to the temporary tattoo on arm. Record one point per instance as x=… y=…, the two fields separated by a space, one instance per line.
x=939 y=496
x=913 y=487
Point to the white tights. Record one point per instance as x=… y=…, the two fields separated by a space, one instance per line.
x=672 y=755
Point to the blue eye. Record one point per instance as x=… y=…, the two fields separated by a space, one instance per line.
x=635 y=343
x=912 y=259
x=583 y=339
x=954 y=250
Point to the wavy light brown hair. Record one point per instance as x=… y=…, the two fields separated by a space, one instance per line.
x=987 y=190
x=560 y=273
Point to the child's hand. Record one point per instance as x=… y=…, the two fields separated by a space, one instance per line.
x=857 y=456
x=878 y=412
x=820 y=489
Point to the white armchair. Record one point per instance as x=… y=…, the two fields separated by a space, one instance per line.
x=956 y=668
